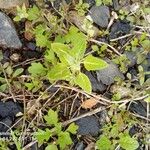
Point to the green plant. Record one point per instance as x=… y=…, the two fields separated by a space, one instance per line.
x=55 y=136
x=105 y=2
x=123 y=62
x=9 y=76
x=81 y=7
x=64 y=59
x=117 y=133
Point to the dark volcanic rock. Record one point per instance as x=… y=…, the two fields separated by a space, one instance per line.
x=100 y=15
x=88 y=126
x=29 y=54
x=8 y=34
x=96 y=85
x=9 y=109
x=6 y=123
x=107 y=76
x=116 y=4
x=79 y=146
x=138 y=108
x=132 y=58
x=119 y=28
x=31 y=46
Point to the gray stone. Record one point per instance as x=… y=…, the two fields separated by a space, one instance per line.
x=100 y=15
x=88 y=126
x=107 y=76
x=131 y=57
x=97 y=86
x=9 y=109
x=8 y=34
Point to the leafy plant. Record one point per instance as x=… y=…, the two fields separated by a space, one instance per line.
x=82 y=7
x=9 y=76
x=62 y=138
x=117 y=133
x=63 y=61
x=21 y=13
x=71 y=55
x=105 y=2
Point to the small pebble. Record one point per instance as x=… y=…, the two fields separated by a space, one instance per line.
x=15 y=57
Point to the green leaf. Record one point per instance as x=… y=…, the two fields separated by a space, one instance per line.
x=79 y=49
x=41 y=40
x=64 y=140
x=50 y=56
x=16 y=140
x=30 y=86
x=51 y=147
x=33 y=13
x=40 y=36
x=128 y=143
x=78 y=41
x=9 y=70
x=21 y=13
x=94 y=63
x=40 y=29
x=63 y=52
x=72 y=128
x=42 y=135
x=51 y=118
x=104 y=143
x=37 y=69
x=147 y=99
x=98 y=2
x=18 y=72
x=59 y=72
x=83 y=81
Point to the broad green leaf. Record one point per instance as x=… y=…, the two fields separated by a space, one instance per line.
x=51 y=118
x=42 y=135
x=37 y=69
x=79 y=49
x=72 y=128
x=40 y=36
x=30 y=86
x=98 y=2
x=104 y=143
x=83 y=81
x=18 y=72
x=41 y=40
x=3 y=80
x=64 y=140
x=33 y=13
x=40 y=29
x=128 y=143
x=59 y=72
x=94 y=63
x=78 y=42
x=63 y=52
x=51 y=147
x=50 y=56
x=59 y=39
x=58 y=128
x=3 y=87
x=9 y=70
